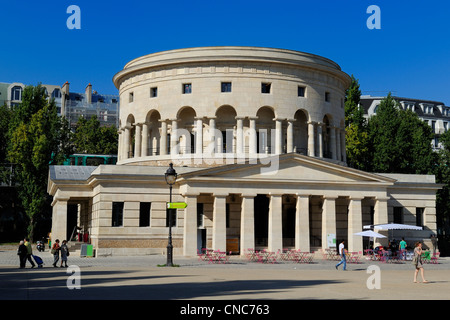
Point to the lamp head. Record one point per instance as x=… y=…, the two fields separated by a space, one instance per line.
x=170 y=175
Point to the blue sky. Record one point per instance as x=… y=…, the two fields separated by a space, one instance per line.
x=409 y=55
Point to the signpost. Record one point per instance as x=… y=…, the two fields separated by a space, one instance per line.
x=176 y=205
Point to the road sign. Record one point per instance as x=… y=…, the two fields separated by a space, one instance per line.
x=176 y=205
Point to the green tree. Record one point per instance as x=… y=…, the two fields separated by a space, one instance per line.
x=355 y=128
x=35 y=143
x=442 y=174
x=91 y=138
x=399 y=141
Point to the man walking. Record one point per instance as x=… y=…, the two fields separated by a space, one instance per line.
x=29 y=252
x=342 y=254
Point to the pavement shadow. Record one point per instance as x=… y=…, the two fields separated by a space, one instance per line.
x=122 y=285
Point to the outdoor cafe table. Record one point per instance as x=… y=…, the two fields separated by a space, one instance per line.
x=266 y=256
x=331 y=254
x=217 y=257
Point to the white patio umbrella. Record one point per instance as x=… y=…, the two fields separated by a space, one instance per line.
x=370 y=233
x=392 y=226
x=396 y=226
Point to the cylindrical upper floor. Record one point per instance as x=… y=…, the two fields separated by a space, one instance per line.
x=275 y=87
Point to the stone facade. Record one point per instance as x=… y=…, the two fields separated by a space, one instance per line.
x=257 y=139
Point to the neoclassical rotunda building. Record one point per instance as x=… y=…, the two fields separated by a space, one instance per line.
x=257 y=138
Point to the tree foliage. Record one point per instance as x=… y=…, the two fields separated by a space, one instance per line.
x=91 y=138
x=35 y=143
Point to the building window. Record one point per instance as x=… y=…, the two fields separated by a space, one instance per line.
x=187 y=88
x=301 y=91
x=117 y=214
x=144 y=214
x=398 y=214
x=153 y=92
x=131 y=97
x=419 y=216
x=265 y=87
x=200 y=216
x=56 y=94
x=16 y=93
x=226 y=87
x=173 y=213
x=327 y=96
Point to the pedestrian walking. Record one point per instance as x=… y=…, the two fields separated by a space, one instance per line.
x=64 y=253
x=434 y=241
x=417 y=262
x=22 y=253
x=29 y=252
x=55 y=251
x=402 y=247
x=342 y=253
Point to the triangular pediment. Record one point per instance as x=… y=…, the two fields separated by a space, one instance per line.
x=290 y=168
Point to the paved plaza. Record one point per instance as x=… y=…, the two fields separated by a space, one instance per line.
x=140 y=278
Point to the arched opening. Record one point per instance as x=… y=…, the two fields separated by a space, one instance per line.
x=265 y=129
x=130 y=131
x=152 y=133
x=301 y=132
x=225 y=124
x=185 y=136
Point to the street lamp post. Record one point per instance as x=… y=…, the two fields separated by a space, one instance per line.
x=171 y=177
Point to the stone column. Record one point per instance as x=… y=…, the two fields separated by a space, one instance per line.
x=247 y=239
x=320 y=139
x=138 y=141
x=212 y=147
x=429 y=218
x=252 y=138
x=380 y=217
x=144 y=150
x=219 y=239
x=343 y=152
x=174 y=146
x=190 y=226
x=199 y=136
x=355 y=243
x=311 y=139
x=275 y=241
x=120 y=144
x=239 y=136
x=333 y=143
x=338 y=145
x=328 y=219
x=278 y=136
x=59 y=220
x=127 y=142
x=163 y=138
x=302 y=223
x=290 y=136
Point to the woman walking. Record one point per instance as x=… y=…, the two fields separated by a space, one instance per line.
x=64 y=253
x=417 y=261
x=55 y=252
